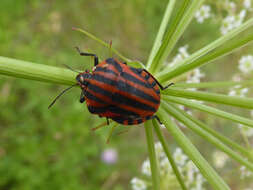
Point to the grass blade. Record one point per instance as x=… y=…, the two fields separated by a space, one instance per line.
x=207 y=171
x=102 y=43
x=184 y=118
x=209 y=52
x=223 y=139
x=211 y=97
x=161 y=31
x=210 y=110
x=167 y=37
x=218 y=84
x=168 y=154
x=34 y=71
x=182 y=20
x=152 y=155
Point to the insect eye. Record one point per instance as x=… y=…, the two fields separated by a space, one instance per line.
x=81 y=78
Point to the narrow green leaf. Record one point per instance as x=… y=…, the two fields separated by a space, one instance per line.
x=184 y=118
x=212 y=97
x=218 y=84
x=152 y=155
x=225 y=45
x=168 y=154
x=223 y=139
x=93 y=37
x=182 y=20
x=207 y=171
x=35 y=71
x=161 y=31
x=210 y=110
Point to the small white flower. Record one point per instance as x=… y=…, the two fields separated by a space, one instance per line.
x=138 y=184
x=203 y=13
x=247 y=4
x=219 y=159
x=165 y=166
x=232 y=21
x=245 y=173
x=146 y=169
x=230 y=6
x=248 y=131
x=246 y=64
x=199 y=181
x=182 y=54
x=195 y=76
x=238 y=91
x=179 y=157
x=183 y=51
x=191 y=169
x=239 y=18
x=159 y=150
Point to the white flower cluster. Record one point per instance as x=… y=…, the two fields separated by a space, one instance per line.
x=248 y=131
x=247 y=4
x=234 y=16
x=220 y=159
x=203 y=13
x=138 y=184
x=232 y=21
x=245 y=173
x=182 y=54
x=238 y=91
x=246 y=64
x=196 y=74
x=190 y=173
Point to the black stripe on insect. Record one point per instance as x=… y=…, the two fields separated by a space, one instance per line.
x=121 y=104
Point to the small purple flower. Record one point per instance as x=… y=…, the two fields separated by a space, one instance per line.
x=109 y=156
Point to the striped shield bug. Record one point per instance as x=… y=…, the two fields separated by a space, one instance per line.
x=119 y=92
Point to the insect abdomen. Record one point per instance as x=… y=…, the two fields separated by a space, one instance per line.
x=133 y=96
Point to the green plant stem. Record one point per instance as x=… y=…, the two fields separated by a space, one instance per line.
x=218 y=84
x=184 y=118
x=160 y=33
x=210 y=110
x=168 y=154
x=182 y=20
x=35 y=71
x=222 y=138
x=209 y=53
x=207 y=171
x=102 y=43
x=152 y=155
x=211 y=97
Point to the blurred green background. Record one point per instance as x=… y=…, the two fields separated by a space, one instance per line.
x=56 y=149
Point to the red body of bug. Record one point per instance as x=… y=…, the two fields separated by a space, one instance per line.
x=117 y=91
x=124 y=94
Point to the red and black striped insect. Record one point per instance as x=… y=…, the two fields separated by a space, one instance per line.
x=119 y=92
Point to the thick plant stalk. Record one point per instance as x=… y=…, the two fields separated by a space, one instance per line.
x=161 y=31
x=168 y=154
x=236 y=101
x=152 y=156
x=34 y=71
x=207 y=171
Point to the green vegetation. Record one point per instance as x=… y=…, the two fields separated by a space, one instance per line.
x=56 y=149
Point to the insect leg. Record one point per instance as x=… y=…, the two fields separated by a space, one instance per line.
x=82 y=98
x=107 y=121
x=88 y=54
x=157 y=118
x=162 y=88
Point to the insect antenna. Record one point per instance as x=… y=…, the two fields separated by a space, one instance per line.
x=65 y=90
x=68 y=67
